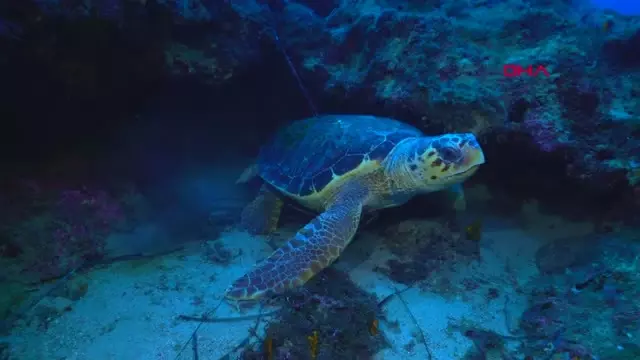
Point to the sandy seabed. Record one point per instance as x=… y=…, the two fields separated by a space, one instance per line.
x=131 y=309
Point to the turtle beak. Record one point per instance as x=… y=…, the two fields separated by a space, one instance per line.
x=473 y=156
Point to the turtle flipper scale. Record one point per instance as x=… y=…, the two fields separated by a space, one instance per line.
x=316 y=246
x=260 y=216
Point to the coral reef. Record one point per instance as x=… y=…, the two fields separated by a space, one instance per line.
x=566 y=131
x=422 y=247
x=590 y=306
x=215 y=252
x=437 y=64
x=51 y=232
x=487 y=345
x=441 y=65
x=330 y=319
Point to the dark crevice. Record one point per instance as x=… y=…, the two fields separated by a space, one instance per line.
x=517 y=111
x=624 y=53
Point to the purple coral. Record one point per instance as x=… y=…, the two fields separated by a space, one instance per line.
x=80 y=222
x=89 y=214
x=544 y=132
x=96 y=207
x=626 y=319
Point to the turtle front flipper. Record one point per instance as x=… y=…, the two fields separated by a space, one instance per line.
x=260 y=217
x=458 y=216
x=457 y=197
x=316 y=246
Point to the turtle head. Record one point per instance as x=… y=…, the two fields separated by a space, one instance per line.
x=442 y=161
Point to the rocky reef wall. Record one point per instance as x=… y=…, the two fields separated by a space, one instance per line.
x=568 y=130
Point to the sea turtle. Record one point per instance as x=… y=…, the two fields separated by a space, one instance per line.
x=341 y=166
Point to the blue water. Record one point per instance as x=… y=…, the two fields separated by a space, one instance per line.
x=624 y=7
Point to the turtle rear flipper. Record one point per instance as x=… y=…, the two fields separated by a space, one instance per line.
x=260 y=216
x=316 y=246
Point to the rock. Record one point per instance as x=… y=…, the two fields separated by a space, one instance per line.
x=439 y=65
x=51 y=308
x=561 y=255
x=74 y=289
x=13 y=295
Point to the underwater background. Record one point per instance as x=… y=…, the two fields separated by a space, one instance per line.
x=127 y=123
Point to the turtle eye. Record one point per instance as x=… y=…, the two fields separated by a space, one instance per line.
x=450 y=154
